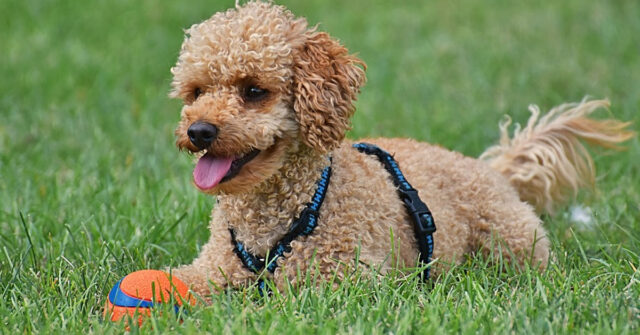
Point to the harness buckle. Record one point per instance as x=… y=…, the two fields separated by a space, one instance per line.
x=422 y=218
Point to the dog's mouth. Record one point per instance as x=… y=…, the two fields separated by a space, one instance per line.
x=211 y=170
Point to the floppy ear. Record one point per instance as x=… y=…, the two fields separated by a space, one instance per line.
x=326 y=83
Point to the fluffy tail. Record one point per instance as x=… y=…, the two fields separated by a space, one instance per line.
x=545 y=161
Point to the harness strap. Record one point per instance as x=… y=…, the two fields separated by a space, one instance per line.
x=303 y=225
x=423 y=223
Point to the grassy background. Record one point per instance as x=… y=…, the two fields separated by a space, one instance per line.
x=91 y=186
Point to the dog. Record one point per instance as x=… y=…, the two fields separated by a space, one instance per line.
x=267 y=101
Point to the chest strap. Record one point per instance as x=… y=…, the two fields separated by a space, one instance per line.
x=423 y=223
x=303 y=225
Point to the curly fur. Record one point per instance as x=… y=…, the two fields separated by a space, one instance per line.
x=312 y=83
x=326 y=83
x=545 y=161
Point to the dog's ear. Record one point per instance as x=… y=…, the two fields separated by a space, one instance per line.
x=326 y=83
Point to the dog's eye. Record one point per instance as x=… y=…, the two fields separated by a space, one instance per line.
x=197 y=92
x=254 y=93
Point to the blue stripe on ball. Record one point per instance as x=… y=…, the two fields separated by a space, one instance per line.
x=119 y=298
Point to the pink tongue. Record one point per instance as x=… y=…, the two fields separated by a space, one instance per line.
x=210 y=170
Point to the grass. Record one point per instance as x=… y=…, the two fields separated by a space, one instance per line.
x=92 y=188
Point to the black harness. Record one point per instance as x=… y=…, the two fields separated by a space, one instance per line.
x=302 y=226
x=306 y=222
x=423 y=223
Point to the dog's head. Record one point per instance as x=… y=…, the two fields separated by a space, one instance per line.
x=257 y=82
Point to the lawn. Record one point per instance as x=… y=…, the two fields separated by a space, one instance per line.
x=92 y=186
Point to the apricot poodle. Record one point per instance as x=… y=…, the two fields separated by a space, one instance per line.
x=267 y=102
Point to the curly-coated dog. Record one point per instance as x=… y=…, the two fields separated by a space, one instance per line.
x=267 y=102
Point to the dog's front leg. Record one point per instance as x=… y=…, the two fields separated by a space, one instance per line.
x=216 y=267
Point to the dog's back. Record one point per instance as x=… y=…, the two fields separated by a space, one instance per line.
x=475 y=204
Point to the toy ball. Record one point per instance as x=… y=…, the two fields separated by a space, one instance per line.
x=138 y=292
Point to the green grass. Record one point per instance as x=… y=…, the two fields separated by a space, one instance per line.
x=92 y=187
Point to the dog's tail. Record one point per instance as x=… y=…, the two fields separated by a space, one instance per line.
x=545 y=161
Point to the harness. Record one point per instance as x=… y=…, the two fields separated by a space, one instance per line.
x=306 y=222
x=423 y=223
x=301 y=226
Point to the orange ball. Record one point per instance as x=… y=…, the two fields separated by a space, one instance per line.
x=139 y=291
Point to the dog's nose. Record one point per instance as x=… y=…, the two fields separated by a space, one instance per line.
x=201 y=134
